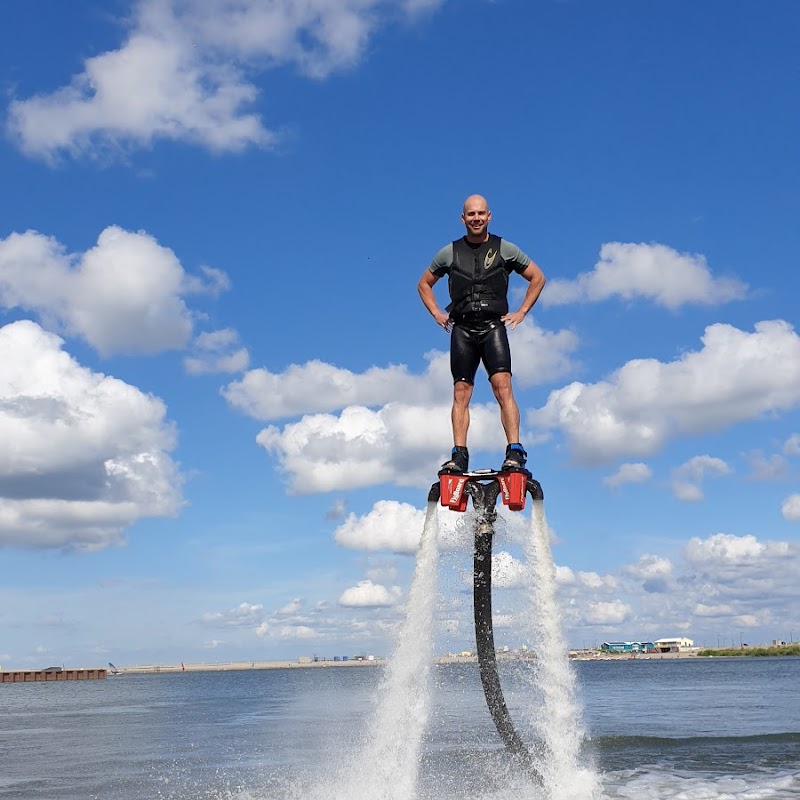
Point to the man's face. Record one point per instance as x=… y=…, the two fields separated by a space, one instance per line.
x=476 y=218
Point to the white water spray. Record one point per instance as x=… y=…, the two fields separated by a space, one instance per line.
x=559 y=723
x=388 y=767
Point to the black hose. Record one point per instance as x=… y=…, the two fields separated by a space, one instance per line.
x=484 y=497
x=487 y=660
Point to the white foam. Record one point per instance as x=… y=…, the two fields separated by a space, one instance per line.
x=691 y=786
x=387 y=767
x=558 y=722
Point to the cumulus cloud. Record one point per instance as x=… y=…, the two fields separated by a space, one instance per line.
x=403 y=440
x=713 y=584
x=766 y=468
x=629 y=473
x=688 y=477
x=361 y=447
x=722 y=610
x=367 y=594
x=84 y=455
x=382 y=572
x=737 y=376
x=539 y=356
x=606 y=613
x=654 y=572
x=215 y=352
x=595 y=581
x=244 y=615
x=507 y=572
x=286 y=632
x=124 y=295
x=183 y=72
x=653 y=271
x=292 y=607
x=791 y=447
x=726 y=550
x=790 y=508
x=337 y=510
x=388 y=526
x=317 y=387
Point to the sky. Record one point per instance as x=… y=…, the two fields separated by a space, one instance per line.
x=222 y=403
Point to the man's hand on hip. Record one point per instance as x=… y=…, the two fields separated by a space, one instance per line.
x=443 y=320
x=512 y=320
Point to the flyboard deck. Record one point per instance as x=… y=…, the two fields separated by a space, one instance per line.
x=512 y=485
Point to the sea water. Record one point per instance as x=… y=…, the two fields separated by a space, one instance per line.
x=677 y=729
x=687 y=729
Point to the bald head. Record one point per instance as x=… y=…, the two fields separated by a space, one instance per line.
x=476 y=216
x=475 y=201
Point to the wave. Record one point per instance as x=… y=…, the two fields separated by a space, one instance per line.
x=664 y=742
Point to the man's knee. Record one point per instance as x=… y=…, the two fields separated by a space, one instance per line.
x=501 y=385
x=462 y=392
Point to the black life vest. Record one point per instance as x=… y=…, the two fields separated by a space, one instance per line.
x=478 y=279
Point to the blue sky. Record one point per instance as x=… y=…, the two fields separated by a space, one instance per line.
x=221 y=400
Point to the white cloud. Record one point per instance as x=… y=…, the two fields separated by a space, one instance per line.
x=361 y=447
x=722 y=610
x=715 y=584
x=629 y=473
x=292 y=607
x=84 y=455
x=654 y=572
x=737 y=376
x=318 y=387
x=790 y=508
x=370 y=595
x=388 y=526
x=182 y=73
x=766 y=468
x=122 y=296
x=606 y=613
x=212 y=283
x=382 y=572
x=286 y=632
x=595 y=581
x=727 y=550
x=538 y=356
x=337 y=510
x=791 y=447
x=244 y=615
x=215 y=352
x=654 y=271
x=507 y=572
x=687 y=478
x=295 y=632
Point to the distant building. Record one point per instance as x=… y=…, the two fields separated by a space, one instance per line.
x=679 y=645
x=628 y=647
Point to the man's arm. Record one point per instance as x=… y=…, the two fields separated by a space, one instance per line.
x=425 y=289
x=536 y=282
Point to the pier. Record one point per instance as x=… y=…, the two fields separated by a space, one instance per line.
x=34 y=675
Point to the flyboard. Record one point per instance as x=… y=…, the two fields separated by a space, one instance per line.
x=485 y=486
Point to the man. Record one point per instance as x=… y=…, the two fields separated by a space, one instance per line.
x=478 y=266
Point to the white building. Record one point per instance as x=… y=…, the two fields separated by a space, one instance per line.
x=680 y=645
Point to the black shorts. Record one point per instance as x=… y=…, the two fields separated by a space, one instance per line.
x=471 y=343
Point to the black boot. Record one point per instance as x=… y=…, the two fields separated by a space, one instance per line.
x=515 y=457
x=459 y=461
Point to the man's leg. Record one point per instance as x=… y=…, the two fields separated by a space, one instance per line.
x=462 y=394
x=509 y=410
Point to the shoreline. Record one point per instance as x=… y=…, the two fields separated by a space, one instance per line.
x=233 y=666
x=241 y=666
x=305 y=662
